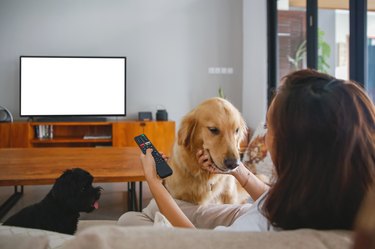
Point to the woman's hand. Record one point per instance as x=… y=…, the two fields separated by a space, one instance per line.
x=149 y=168
x=165 y=157
x=204 y=160
x=164 y=200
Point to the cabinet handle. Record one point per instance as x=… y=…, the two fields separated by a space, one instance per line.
x=142 y=124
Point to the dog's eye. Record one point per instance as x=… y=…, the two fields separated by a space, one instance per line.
x=237 y=130
x=214 y=130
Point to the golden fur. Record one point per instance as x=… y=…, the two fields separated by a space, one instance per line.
x=217 y=126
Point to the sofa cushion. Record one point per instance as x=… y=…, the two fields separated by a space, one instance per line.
x=84 y=224
x=116 y=237
x=19 y=237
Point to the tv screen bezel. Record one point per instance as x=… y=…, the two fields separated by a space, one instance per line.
x=71 y=115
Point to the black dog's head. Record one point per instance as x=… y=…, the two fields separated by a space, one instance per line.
x=74 y=191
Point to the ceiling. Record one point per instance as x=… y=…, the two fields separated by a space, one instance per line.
x=331 y=4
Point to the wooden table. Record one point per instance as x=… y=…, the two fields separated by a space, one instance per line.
x=40 y=166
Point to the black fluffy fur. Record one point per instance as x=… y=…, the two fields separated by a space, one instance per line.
x=59 y=210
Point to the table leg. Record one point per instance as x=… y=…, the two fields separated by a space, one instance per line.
x=132 y=197
x=129 y=197
x=11 y=201
x=132 y=202
x=140 y=196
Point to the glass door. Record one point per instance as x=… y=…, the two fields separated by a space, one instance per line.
x=333 y=38
x=291 y=35
x=370 y=86
x=344 y=48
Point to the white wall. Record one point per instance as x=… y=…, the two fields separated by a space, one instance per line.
x=170 y=44
x=254 y=94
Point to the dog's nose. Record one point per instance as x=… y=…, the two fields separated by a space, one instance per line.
x=231 y=163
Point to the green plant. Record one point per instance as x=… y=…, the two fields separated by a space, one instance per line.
x=324 y=52
x=298 y=57
x=221 y=93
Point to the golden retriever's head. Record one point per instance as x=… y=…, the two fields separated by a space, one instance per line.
x=217 y=126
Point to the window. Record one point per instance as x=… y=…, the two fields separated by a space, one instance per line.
x=291 y=36
x=333 y=39
x=330 y=36
x=370 y=85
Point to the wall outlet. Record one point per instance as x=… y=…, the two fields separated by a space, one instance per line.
x=220 y=70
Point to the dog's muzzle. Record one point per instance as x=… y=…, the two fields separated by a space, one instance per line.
x=231 y=163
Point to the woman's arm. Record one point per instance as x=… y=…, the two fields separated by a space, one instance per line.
x=164 y=200
x=254 y=186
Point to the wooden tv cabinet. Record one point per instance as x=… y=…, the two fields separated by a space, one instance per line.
x=22 y=134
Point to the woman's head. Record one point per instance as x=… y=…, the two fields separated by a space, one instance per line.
x=322 y=144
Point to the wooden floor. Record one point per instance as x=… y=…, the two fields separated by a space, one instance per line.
x=112 y=204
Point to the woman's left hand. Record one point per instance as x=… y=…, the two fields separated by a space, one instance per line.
x=206 y=163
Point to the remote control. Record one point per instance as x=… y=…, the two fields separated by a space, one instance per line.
x=162 y=168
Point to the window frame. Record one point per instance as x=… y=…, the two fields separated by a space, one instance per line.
x=357 y=40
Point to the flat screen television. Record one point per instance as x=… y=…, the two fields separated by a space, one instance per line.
x=57 y=86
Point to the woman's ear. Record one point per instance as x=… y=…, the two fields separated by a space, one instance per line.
x=186 y=131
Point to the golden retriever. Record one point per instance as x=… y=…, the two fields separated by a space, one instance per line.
x=218 y=127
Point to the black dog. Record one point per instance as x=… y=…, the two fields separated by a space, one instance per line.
x=59 y=210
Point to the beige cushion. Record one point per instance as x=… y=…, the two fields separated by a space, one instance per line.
x=18 y=237
x=115 y=237
x=98 y=234
x=161 y=221
x=83 y=224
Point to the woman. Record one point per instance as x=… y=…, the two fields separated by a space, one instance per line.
x=321 y=133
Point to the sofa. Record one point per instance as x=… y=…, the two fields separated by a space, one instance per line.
x=109 y=235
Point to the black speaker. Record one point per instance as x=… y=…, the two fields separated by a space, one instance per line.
x=161 y=115
x=5 y=115
x=144 y=116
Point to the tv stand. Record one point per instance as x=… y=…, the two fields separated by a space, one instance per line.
x=69 y=119
x=115 y=133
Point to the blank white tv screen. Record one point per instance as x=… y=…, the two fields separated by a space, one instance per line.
x=72 y=86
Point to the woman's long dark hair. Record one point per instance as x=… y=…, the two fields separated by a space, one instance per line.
x=324 y=152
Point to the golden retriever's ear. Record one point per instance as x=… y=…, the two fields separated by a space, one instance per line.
x=242 y=130
x=186 y=131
